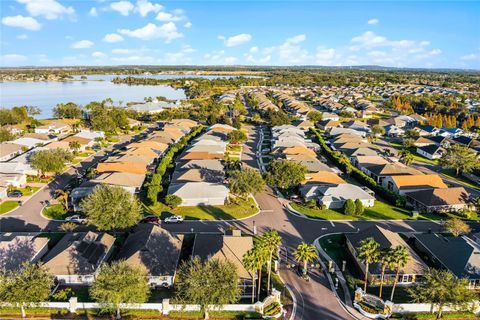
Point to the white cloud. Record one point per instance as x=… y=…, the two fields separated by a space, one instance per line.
x=124 y=51
x=22 y=36
x=167 y=31
x=122 y=7
x=253 y=50
x=144 y=7
x=219 y=58
x=8 y=59
x=290 y=52
x=112 y=37
x=134 y=59
x=49 y=9
x=327 y=57
x=187 y=25
x=373 y=21
x=236 y=40
x=471 y=57
x=180 y=57
x=166 y=16
x=82 y=44
x=99 y=55
x=19 y=21
x=93 y=12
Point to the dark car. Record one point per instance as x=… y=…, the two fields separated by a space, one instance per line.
x=151 y=219
x=15 y=194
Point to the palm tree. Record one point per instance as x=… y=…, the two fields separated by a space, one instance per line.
x=368 y=251
x=406 y=156
x=386 y=261
x=400 y=258
x=64 y=195
x=305 y=253
x=272 y=241
x=250 y=263
x=74 y=145
x=260 y=255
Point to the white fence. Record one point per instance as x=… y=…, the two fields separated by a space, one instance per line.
x=427 y=307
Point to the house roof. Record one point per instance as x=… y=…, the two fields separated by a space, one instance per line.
x=17 y=248
x=431 y=180
x=460 y=255
x=392 y=169
x=323 y=177
x=155 y=145
x=9 y=148
x=123 y=179
x=198 y=175
x=62 y=144
x=388 y=239
x=130 y=167
x=431 y=149
x=224 y=248
x=144 y=151
x=184 y=122
x=78 y=253
x=153 y=248
x=81 y=140
x=342 y=192
x=367 y=161
x=297 y=150
x=135 y=158
x=312 y=163
x=198 y=190
x=201 y=156
x=215 y=165
x=440 y=196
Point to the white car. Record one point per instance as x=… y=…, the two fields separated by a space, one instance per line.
x=76 y=219
x=173 y=219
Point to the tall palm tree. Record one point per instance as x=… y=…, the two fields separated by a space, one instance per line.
x=368 y=252
x=386 y=261
x=250 y=263
x=399 y=259
x=64 y=195
x=260 y=255
x=305 y=253
x=272 y=241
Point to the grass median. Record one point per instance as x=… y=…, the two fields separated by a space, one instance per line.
x=8 y=206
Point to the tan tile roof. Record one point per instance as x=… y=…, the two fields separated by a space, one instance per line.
x=150 y=144
x=130 y=167
x=323 y=177
x=147 y=152
x=298 y=150
x=433 y=180
x=441 y=196
x=201 y=156
x=80 y=140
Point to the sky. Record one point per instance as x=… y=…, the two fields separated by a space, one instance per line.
x=420 y=34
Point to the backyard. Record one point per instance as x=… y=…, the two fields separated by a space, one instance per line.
x=236 y=210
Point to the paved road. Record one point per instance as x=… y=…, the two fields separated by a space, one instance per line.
x=314 y=299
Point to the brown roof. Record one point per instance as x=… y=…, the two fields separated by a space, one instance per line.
x=62 y=144
x=298 y=150
x=130 y=167
x=8 y=148
x=323 y=177
x=433 y=180
x=155 y=145
x=201 y=156
x=184 y=122
x=80 y=140
x=441 y=196
x=147 y=152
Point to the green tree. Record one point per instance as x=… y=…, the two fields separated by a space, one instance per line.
x=6 y=135
x=250 y=264
x=68 y=110
x=260 y=256
x=378 y=130
x=278 y=118
x=359 y=207
x=33 y=111
x=285 y=173
x=25 y=287
x=237 y=136
x=305 y=253
x=406 y=156
x=152 y=193
x=412 y=134
x=314 y=116
x=111 y=207
x=442 y=289
x=457 y=227
x=50 y=160
x=118 y=283
x=173 y=201
x=245 y=182
x=74 y=145
x=400 y=257
x=369 y=253
x=349 y=207
x=208 y=283
x=271 y=242
x=460 y=158
x=386 y=261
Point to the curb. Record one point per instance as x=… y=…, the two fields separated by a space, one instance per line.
x=294 y=310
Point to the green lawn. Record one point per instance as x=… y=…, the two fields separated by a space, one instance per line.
x=27 y=191
x=450 y=173
x=7 y=206
x=242 y=209
x=380 y=211
x=55 y=211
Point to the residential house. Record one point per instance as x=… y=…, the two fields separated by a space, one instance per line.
x=409 y=274
x=200 y=193
x=155 y=250
x=28 y=143
x=409 y=183
x=459 y=255
x=432 y=151
x=18 y=248
x=129 y=167
x=230 y=248
x=330 y=116
x=56 y=127
x=327 y=124
x=76 y=258
x=9 y=151
x=132 y=182
x=439 y=200
x=379 y=171
x=334 y=196
x=312 y=163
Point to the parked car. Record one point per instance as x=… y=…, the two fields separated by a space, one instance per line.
x=76 y=219
x=151 y=219
x=173 y=219
x=15 y=194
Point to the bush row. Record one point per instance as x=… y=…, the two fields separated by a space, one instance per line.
x=154 y=187
x=344 y=164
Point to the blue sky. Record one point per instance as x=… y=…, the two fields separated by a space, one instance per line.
x=430 y=34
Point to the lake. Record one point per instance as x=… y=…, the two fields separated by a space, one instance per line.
x=46 y=95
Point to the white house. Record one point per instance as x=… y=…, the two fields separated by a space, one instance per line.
x=334 y=196
x=56 y=127
x=199 y=193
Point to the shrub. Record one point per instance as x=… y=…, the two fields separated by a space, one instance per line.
x=312 y=204
x=173 y=201
x=359 y=207
x=152 y=193
x=349 y=207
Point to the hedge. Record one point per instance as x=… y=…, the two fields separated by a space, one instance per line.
x=344 y=163
x=154 y=187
